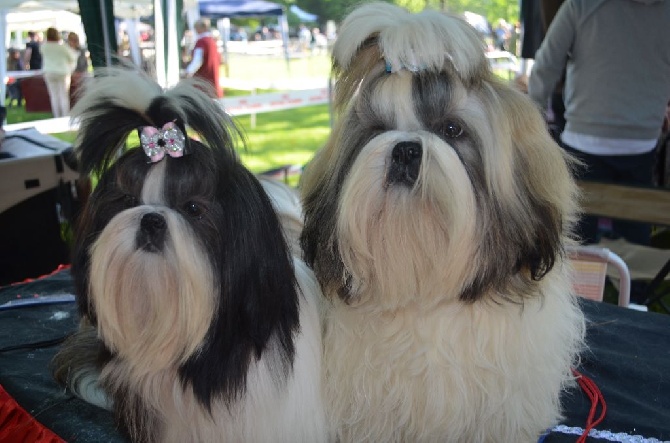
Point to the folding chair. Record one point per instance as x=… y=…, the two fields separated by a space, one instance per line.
x=646 y=264
x=589 y=265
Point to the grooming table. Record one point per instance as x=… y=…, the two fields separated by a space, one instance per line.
x=628 y=359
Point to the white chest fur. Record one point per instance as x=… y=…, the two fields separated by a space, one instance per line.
x=459 y=373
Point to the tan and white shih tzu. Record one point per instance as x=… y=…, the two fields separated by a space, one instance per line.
x=198 y=322
x=436 y=217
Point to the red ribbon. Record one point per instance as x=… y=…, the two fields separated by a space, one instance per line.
x=596 y=397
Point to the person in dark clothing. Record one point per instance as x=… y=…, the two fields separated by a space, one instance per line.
x=548 y=10
x=33 y=54
x=14 y=60
x=614 y=108
x=531 y=23
x=14 y=63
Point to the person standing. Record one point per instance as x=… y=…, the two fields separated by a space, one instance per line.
x=616 y=56
x=205 y=60
x=304 y=37
x=14 y=63
x=82 y=60
x=501 y=34
x=58 y=63
x=14 y=60
x=33 y=54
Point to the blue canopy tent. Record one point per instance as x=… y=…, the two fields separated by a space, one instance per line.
x=217 y=9
x=303 y=16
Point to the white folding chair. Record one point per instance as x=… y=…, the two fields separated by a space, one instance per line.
x=589 y=265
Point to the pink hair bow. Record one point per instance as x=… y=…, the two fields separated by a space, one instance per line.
x=157 y=142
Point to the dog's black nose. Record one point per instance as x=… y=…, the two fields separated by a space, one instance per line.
x=405 y=163
x=151 y=234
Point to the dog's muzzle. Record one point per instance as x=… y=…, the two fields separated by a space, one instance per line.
x=405 y=163
x=151 y=235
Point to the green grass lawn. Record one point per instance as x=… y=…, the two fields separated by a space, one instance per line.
x=284 y=138
x=19 y=115
x=280 y=138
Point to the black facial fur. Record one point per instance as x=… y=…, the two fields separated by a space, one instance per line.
x=258 y=293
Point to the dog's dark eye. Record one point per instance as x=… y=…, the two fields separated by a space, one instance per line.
x=193 y=209
x=452 y=130
x=129 y=201
x=377 y=129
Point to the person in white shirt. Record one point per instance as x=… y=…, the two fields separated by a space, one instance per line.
x=58 y=62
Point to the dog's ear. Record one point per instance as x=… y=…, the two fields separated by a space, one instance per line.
x=321 y=183
x=545 y=169
x=532 y=197
x=258 y=304
x=81 y=260
x=256 y=246
x=90 y=222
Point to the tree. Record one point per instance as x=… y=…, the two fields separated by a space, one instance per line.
x=491 y=9
x=329 y=9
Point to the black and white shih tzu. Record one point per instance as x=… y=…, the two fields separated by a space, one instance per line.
x=436 y=217
x=198 y=322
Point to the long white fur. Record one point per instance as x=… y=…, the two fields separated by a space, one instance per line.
x=267 y=411
x=402 y=251
x=484 y=372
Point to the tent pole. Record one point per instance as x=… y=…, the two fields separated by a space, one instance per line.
x=223 y=25
x=105 y=34
x=159 y=44
x=3 y=59
x=134 y=37
x=283 y=23
x=172 y=56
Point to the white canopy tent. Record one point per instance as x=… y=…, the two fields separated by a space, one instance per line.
x=42 y=19
x=167 y=58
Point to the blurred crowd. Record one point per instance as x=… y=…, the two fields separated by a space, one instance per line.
x=57 y=55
